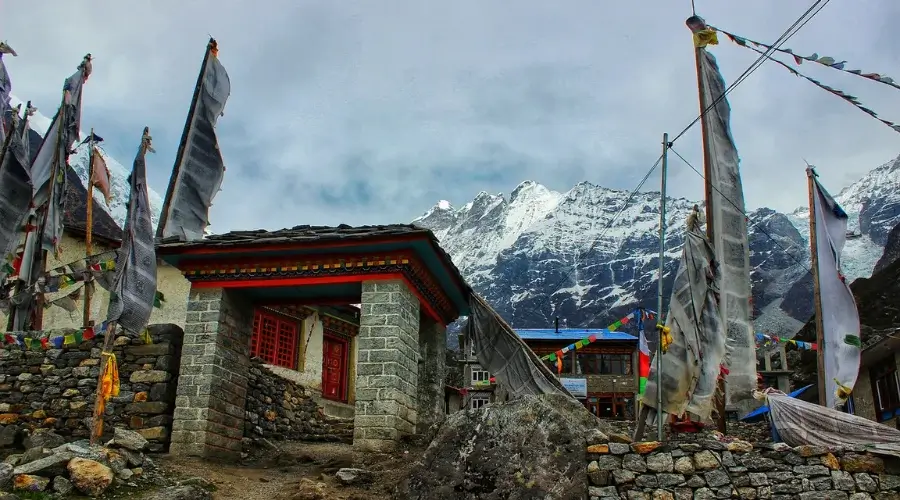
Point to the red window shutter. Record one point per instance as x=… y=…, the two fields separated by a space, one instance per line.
x=274 y=340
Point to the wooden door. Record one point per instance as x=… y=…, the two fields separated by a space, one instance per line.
x=334 y=368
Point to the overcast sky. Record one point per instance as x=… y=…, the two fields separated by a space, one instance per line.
x=366 y=112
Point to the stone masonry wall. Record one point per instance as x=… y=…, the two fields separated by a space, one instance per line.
x=279 y=409
x=709 y=469
x=387 y=365
x=432 y=372
x=55 y=388
x=212 y=389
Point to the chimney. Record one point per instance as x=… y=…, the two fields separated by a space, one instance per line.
x=556 y=324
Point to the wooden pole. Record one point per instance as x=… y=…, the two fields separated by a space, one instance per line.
x=88 y=234
x=20 y=285
x=176 y=169
x=695 y=21
x=817 y=298
x=37 y=312
x=99 y=404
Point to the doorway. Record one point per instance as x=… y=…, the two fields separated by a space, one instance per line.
x=334 y=368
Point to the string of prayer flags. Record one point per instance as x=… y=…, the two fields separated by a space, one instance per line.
x=767 y=339
x=54 y=340
x=840 y=93
x=557 y=356
x=823 y=60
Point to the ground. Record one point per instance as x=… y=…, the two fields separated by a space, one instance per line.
x=297 y=471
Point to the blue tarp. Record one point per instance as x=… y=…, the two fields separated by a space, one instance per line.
x=762 y=410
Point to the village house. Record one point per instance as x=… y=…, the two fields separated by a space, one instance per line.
x=602 y=375
x=106 y=236
x=876 y=395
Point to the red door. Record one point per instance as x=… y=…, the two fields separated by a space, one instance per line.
x=334 y=368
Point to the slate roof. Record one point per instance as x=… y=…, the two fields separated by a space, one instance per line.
x=75 y=216
x=313 y=234
x=567 y=334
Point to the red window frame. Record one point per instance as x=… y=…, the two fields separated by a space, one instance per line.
x=274 y=339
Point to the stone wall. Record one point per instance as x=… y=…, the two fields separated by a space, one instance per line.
x=212 y=389
x=709 y=469
x=387 y=365
x=280 y=409
x=55 y=388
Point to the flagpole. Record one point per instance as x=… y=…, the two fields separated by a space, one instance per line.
x=11 y=317
x=88 y=233
x=176 y=169
x=817 y=297
x=37 y=311
x=719 y=396
x=659 y=297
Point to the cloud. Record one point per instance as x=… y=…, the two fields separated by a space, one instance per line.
x=360 y=112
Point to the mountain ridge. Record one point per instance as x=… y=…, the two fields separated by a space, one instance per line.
x=538 y=253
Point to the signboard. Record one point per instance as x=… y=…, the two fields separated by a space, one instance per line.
x=576 y=386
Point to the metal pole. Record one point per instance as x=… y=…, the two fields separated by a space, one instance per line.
x=659 y=297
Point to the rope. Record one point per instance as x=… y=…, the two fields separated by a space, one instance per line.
x=787 y=35
x=733 y=204
x=611 y=221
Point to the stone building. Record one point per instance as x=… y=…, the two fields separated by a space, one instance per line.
x=602 y=375
x=275 y=294
x=876 y=395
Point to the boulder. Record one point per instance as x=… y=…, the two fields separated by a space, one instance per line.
x=528 y=448
x=348 y=476
x=44 y=439
x=26 y=482
x=129 y=440
x=90 y=477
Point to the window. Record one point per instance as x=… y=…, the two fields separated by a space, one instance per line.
x=471 y=349
x=480 y=377
x=886 y=389
x=274 y=340
x=603 y=364
x=478 y=401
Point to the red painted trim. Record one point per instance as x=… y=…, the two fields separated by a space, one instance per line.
x=211 y=250
x=342 y=301
x=324 y=280
x=318 y=258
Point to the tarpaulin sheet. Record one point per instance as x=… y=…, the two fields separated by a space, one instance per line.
x=501 y=352
x=691 y=365
x=801 y=423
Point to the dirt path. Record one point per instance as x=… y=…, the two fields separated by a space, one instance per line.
x=298 y=471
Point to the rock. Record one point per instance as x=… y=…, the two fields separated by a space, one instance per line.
x=348 y=476
x=43 y=464
x=596 y=436
x=862 y=463
x=830 y=461
x=26 y=482
x=619 y=438
x=716 y=478
x=684 y=465
x=623 y=476
x=44 y=439
x=739 y=446
x=604 y=492
x=810 y=451
x=90 y=477
x=129 y=440
x=705 y=460
x=125 y=474
x=6 y=475
x=508 y=439
x=619 y=448
x=864 y=482
x=645 y=447
x=155 y=433
x=598 y=449
x=183 y=493
x=634 y=463
x=62 y=485
x=660 y=462
x=33 y=454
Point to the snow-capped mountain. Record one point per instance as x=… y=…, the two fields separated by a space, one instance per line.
x=118 y=173
x=539 y=254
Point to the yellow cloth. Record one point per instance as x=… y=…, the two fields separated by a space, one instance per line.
x=109 y=383
x=665 y=337
x=146 y=338
x=705 y=37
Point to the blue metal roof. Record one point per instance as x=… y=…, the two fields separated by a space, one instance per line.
x=571 y=334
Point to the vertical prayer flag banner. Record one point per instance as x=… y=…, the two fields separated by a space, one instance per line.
x=840 y=317
x=729 y=231
x=134 y=288
x=201 y=169
x=643 y=354
x=15 y=195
